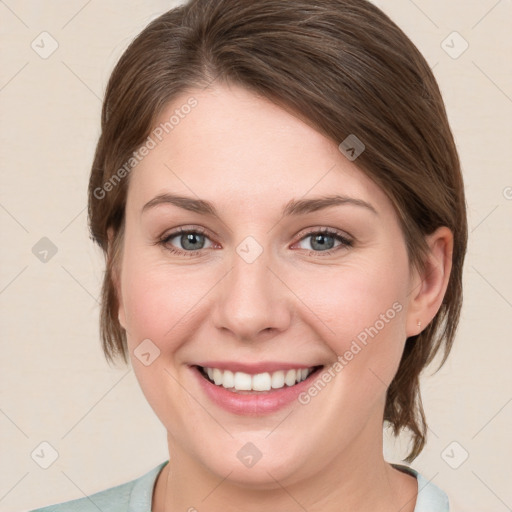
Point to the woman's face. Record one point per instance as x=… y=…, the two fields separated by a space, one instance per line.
x=262 y=288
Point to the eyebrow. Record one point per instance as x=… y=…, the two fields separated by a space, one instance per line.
x=292 y=208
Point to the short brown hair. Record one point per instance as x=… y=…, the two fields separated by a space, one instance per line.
x=343 y=67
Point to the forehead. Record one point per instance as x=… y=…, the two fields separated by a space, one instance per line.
x=235 y=146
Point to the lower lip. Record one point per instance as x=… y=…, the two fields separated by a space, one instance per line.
x=257 y=403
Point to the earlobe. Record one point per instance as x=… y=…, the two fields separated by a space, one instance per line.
x=430 y=286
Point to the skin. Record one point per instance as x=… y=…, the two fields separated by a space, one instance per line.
x=250 y=158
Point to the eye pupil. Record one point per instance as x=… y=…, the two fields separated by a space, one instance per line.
x=188 y=238
x=320 y=239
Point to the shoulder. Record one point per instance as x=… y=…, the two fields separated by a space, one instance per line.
x=430 y=497
x=133 y=496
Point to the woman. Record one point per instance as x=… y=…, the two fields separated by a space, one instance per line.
x=279 y=199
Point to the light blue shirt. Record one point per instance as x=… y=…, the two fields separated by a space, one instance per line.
x=136 y=496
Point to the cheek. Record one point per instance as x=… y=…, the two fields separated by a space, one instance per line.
x=158 y=300
x=159 y=305
x=363 y=305
x=354 y=296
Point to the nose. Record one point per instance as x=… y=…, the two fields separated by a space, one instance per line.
x=252 y=301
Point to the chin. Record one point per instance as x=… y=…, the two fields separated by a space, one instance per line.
x=258 y=464
x=263 y=475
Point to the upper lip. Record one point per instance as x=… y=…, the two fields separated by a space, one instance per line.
x=254 y=368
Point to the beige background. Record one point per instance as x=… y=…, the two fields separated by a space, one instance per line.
x=55 y=383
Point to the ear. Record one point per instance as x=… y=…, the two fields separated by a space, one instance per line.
x=429 y=286
x=115 y=278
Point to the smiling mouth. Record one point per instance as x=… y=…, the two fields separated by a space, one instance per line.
x=245 y=383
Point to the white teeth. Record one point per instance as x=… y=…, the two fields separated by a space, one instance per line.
x=228 y=380
x=241 y=381
x=261 y=382
x=217 y=376
x=291 y=376
x=277 y=380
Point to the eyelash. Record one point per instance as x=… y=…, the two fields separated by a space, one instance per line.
x=345 y=242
